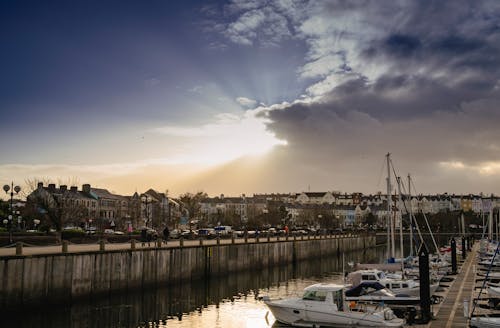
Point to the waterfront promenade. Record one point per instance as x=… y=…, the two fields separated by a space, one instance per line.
x=31 y=275
x=172 y=243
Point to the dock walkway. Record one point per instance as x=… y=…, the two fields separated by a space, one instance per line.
x=450 y=313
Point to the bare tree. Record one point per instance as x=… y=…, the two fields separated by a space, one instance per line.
x=191 y=202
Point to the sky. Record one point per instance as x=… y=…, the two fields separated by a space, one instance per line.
x=250 y=96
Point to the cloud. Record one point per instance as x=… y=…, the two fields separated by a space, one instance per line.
x=225 y=138
x=418 y=79
x=246 y=102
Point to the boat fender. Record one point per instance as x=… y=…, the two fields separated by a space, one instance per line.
x=388 y=314
x=352 y=304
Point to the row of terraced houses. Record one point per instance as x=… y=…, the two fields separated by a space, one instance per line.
x=345 y=209
x=157 y=209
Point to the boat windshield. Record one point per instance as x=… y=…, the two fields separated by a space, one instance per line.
x=314 y=295
x=381 y=275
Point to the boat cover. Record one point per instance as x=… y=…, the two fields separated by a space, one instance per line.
x=365 y=288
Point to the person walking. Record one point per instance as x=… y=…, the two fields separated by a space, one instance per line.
x=144 y=236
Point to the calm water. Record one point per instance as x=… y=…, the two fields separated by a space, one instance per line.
x=229 y=302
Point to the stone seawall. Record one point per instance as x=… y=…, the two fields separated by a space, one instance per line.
x=30 y=280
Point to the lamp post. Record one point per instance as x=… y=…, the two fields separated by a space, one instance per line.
x=12 y=190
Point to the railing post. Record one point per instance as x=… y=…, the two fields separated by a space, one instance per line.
x=181 y=242
x=218 y=240
x=19 y=248
x=132 y=244
x=232 y=239
x=201 y=241
x=101 y=245
x=64 y=246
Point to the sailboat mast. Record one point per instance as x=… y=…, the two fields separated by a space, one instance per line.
x=411 y=215
x=389 y=207
x=400 y=217
x=490 y=224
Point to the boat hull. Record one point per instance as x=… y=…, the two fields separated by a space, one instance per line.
x=305 y=317
x=485 y=322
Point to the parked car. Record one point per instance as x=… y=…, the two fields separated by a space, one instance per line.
x=175 y=233
x=189 y=234
x=207 y=232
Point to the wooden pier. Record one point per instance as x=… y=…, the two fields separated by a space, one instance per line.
x=450 y=312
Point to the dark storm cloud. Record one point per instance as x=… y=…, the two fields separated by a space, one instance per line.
x=424 y=85
x=402 y=45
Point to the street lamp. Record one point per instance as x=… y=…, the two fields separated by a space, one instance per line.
x=12 y=190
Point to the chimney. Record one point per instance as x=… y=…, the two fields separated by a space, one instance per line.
x=40 y=185
x=52 y=187
x=86 y=188
x=63 y=188
x=74 y=188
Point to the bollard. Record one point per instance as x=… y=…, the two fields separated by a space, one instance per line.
x=268 y=237
x=101 y=245
x=257 y=239
x=302 y=237
x=278 y=238
x=181 y=242
x=232 y=239
x=132 y=244
x=64 y=246
x=201 y=241
x=294 y=237
x=453 y=256
x=19 y=248
x=425 y=292
x=286 y=237
x=159 y=241
x=464 y=250
x=246 y=239
x=218 y=240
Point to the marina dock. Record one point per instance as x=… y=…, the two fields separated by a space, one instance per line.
x=450 y=312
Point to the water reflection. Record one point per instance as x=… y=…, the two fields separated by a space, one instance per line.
x=228 y=301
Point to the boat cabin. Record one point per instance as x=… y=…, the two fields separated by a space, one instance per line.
x=330 y=294
x=392 y=282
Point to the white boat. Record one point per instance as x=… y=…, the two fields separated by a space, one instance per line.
x=325 y=305
x=494 y=291
x=374 y=292
x=485 y=322
x=395 y=283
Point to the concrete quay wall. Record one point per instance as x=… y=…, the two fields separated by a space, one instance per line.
x=56 y=278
